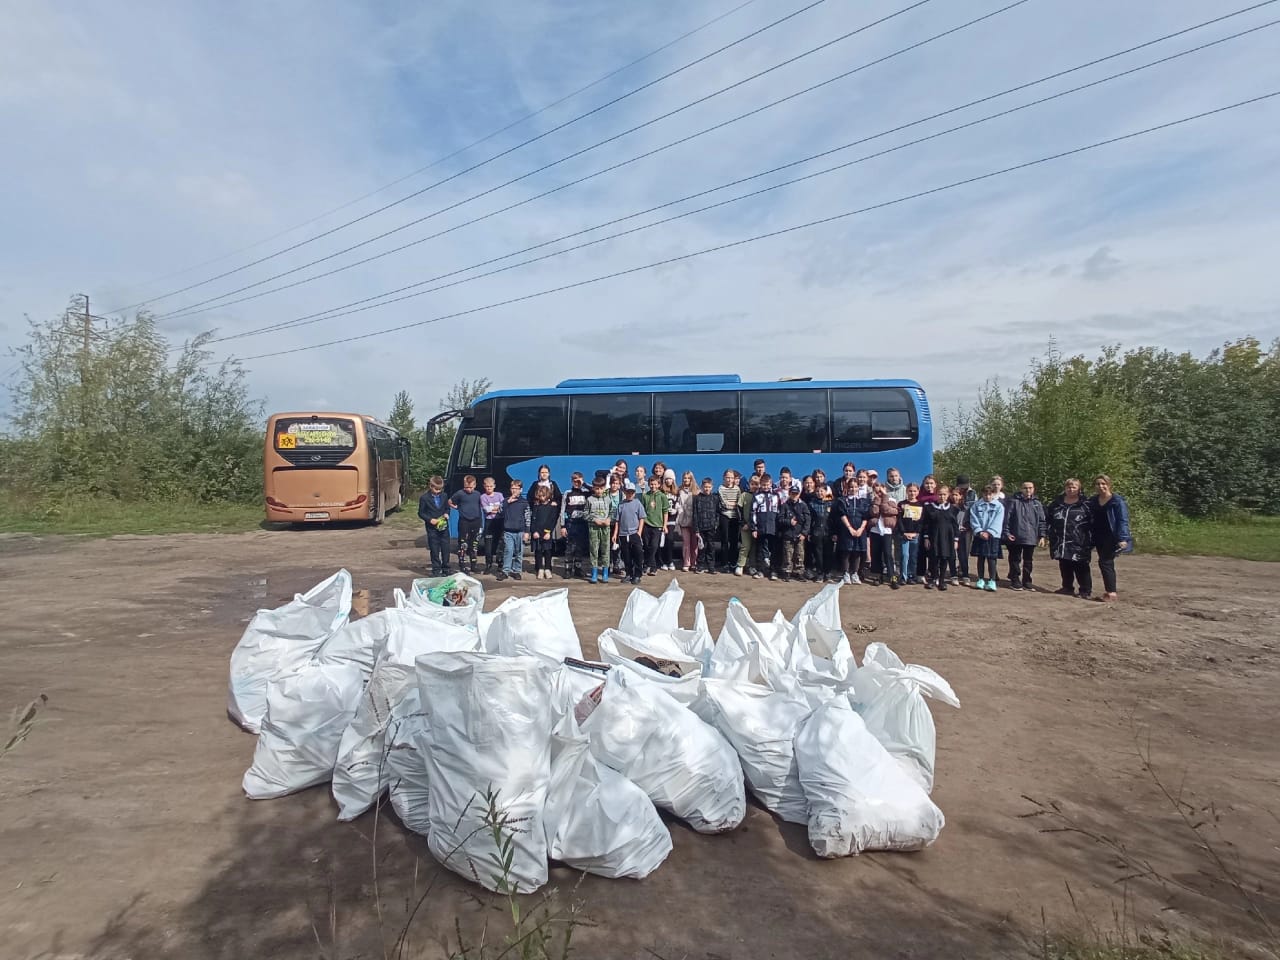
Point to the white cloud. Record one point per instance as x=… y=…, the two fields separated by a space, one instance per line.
x=157 y=136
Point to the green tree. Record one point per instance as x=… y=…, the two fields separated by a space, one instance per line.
x=105 y=411
x=429 y=451
x=1059 y=422
x=401 y=417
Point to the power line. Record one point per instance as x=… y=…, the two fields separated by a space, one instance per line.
x=449 y=156
x=194 y=308
x=518 y=146
x=333 y=313
x=773 y=233
x=315 y=317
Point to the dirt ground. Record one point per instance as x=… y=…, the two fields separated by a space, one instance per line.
x=125 y=833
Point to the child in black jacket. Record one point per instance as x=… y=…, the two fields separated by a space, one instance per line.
x=433 y=510
x=793 y=524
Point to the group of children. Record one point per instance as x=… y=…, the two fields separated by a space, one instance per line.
x=858 y=529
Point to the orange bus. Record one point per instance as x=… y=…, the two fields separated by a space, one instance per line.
x=333 y=466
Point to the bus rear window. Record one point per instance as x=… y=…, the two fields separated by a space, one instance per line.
x=329 y=433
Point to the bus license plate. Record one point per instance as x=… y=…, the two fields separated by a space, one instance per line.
x=316 y=516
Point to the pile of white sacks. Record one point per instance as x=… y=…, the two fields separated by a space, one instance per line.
x=443 y=707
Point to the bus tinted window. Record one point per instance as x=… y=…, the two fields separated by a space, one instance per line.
x=703 y=422
x=329 y=432
x=784 y=421
x=609 y=423
x=532 y=426
x=871 y=419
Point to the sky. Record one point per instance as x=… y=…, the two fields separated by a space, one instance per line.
x=151 y=146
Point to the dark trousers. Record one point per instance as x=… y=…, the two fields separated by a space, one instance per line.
x=1107 y=566
x=818 y=553
x=987 y=568
x=632 y=553
x=652 y=536
x=668 y=550
x=707 y=555
x=1020 y=562
x=729 y=527
x=575 y=544
x=962 y=554
x=1078 y=571
x=543 y=551
x=887 y=568
x=468 y=542
x=940 y=568
x=438 y=545
x=766 y=549
x=493 y=543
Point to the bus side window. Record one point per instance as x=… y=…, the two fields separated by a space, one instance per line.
x=473 y=452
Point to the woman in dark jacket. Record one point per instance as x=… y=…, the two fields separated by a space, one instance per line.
x=1071 y=539
x=1110 y=528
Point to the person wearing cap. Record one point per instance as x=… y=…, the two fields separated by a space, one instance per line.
x=793 y=523
x=628 y=529
x=968 y=497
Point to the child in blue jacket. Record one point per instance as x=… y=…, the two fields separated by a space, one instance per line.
x=986 y=520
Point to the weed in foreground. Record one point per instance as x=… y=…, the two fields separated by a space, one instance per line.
x=1256 y=935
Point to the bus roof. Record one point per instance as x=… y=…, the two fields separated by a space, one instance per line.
x=321 y=414
x=672 y=384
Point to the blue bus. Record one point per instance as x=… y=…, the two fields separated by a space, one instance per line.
x=706 y=424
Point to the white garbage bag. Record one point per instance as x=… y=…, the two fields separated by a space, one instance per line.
x=570 y=683
x=539 y=626
x=761 y=725
x=668 y=665
x=487 y=740
x=454 y=592
x=645 y=614
x=683 y=764
x=697 y=643
x=889 y=694
x=758 y=648
x=359 y=641
x=859 y=797
x=408 y=783
x=307 y=712
x=277 y=642
x=417 y=630
x=362 y=770
x=596 y=819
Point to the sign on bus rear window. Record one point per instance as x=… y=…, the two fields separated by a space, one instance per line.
x=329 y=432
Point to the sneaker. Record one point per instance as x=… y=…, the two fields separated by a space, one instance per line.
x=965 y=581
x=942 y=585
x=1086 y=596
x=516 y=576
x=853 y=578
x=1110 y=597
x=1028 y=585
x=1065 y=592
x=954 y=581
x=980 y=585
x=757 y=575
x=991 y=586
x=928 y=584
x=502 y=574
x=773 y=576
x=1014 y=585
x=894 y=584
x=652 y=573
x=737 y=571
x=635 y=580
x=488 y=569
x=713 y=571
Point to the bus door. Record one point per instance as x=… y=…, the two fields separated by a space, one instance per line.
x=474 y=446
